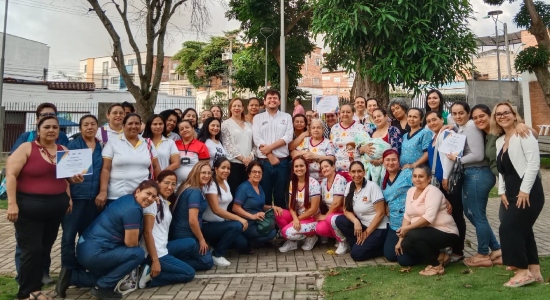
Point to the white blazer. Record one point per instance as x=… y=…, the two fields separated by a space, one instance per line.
x=524 y=154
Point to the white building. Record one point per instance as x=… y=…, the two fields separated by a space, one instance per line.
x=25 y=59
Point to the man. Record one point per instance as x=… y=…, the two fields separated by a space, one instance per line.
x=298 y=108
x=128 y=107
x=272 y=131
x=330 y=120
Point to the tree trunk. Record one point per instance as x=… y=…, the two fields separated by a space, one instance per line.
x=543 y=77
x=539 y=30
x=369 y=89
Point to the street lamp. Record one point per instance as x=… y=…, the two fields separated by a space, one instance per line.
x=494 y=14
x=266 y=32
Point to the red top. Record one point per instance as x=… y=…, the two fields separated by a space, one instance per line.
x=39 y=176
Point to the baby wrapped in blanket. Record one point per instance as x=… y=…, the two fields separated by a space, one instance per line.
x=374 y=173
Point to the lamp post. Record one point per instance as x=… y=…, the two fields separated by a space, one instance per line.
x=2 y=60
x=266 y=32
x=494 y=14
x=282 y=65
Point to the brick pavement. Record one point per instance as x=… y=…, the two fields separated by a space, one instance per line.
x=267 y=274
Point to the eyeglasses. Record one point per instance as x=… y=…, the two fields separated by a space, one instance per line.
x=502 y=114
x=256 y=172
x=48 y=114
x=169 y=183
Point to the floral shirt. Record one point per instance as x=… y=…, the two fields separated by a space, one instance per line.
x=393 y=137
x=337 y=188
x=415 y=145
x=314 y=190
x=343 y=140
x=324 y=148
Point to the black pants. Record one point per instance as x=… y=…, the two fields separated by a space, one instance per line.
x=36 y=227
x=236 y=177
x=519 y=248
x=458 y=216
x=372 y=247
x=426 y=242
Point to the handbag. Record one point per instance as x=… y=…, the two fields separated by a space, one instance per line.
x=456 y=178
x=434 y=180
x=268 y=223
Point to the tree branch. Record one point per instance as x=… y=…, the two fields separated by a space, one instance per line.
x=124 y=15
x=538 y=29
x=293 y=22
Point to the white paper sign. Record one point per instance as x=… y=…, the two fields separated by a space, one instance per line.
x=452 y=143
x=72 y=162
x=327 y=104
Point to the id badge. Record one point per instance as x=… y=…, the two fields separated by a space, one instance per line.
x=185 y=160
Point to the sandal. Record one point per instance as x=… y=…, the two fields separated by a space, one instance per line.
x=483 y=262
x=519 y=283
x=444 y=259
x=37 y=296
x=494 y=255
x=431 y=271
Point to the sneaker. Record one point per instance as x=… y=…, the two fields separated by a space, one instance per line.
x=343 y=248
x=105 y=294
x=324 y=240
x=288 y=246
x=221 y=261
x=145 y=277
x=309 y=243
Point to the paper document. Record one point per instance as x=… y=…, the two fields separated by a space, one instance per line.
x=452 y=143
x=72 y=162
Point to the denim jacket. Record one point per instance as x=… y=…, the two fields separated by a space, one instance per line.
x=89 y=188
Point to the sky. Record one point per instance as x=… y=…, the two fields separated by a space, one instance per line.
x=74 y=34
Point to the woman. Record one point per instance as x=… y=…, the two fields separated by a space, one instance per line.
x=298 y=221
x=398 y=113
x=37 y=202
x=396 y=183
x=127 y=161
x=113 y=128
x=427 y=227
x=371 y=104
x=191 y=115
x=109 y=249
x=190 y=149
x=364 y=223
x=187 y=215
x=333 y=187
x=205 y=114
x=253 y=109
x=161 y=265
x=217 y=112
x=84 y=194
x=172 y=119
x=221 y=228
x=478 y=181
x=434 y=121
x=435 y=102
x=522 y=195
x=342 y=136
x=361 y=115
x=249 y=203
x=414 y=150
x=301 y=131
x=314 y=149
x=237 y=140
x=210 y=135
x=154 y=135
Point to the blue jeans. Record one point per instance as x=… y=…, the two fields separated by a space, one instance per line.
x=478 y=181
x=224 y=235
x=172 y=271
x=254 y=237
x=372 y=247
x=187 y=250
x=275 y=182
x=405 y=259
x=83 y=214
x=109 y=266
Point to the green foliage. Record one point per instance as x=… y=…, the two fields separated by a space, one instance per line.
x=523 y=19
x=531 y=58
x=249 y=72
x=8 y=288
x=402 y=42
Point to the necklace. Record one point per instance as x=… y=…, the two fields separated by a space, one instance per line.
x=50 y=156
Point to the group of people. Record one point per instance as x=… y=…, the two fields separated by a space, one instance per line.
x=170 y=195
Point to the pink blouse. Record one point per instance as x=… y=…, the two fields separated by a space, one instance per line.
x=431 y=206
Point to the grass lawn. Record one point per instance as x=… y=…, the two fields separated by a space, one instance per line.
x=8 y=288
x=545 y=163
x=3 y=204
x=389 y=282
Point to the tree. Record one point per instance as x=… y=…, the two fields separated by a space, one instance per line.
x=534 y=16
x=156 y=15
x=255 y=14
x=414 y=44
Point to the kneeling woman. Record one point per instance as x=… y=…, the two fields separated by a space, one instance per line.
x=298 y=221
x=427 y=226
x=109 y=248
x=364 y=222
x=161 y=265
x=187 y=212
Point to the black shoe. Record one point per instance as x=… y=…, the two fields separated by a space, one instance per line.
x=63 y=282
x=105 y=294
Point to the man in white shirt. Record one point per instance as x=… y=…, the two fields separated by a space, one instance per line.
x=272 y=131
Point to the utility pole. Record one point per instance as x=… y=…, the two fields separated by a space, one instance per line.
x=230 y=94
x=2 y=65
x=494 y=14
x=506 y=45
x=282 y=66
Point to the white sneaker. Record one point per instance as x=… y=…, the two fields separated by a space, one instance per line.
x=309 y=243
x=145 y=277
x=221 y=261
x=324 y=240
x=288 y=246
x=343 y=248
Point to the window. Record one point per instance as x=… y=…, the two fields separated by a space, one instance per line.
x=114 y=80
x=105 y=68
x=336 y=79
x=316 y=81
x=104 y=83
x=132 y=61
x=85 y=68
x=189 y=92
x=175 y=65
x=318 y=61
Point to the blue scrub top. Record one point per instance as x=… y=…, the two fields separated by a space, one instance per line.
x=414 y=146
x=247 y=197
x=190 y=198
x=395 y=194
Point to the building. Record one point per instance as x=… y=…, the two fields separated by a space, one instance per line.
x=337 y=83
x=312 y=72
x=104 y=73
x=25 y=59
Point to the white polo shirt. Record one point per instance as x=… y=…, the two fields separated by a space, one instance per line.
x=223 y=201
x=165 y=149
x=111 y=133
x=174 y=136
x=160 y=230
x=363 y=203
x=267 y=129
x=130 y=165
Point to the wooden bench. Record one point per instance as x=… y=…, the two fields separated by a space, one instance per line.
x=544 y=145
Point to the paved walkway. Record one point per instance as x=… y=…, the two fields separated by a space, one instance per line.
x=267 y=274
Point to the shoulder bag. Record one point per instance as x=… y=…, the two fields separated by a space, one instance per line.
x=456 y=178
x=434 y=180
